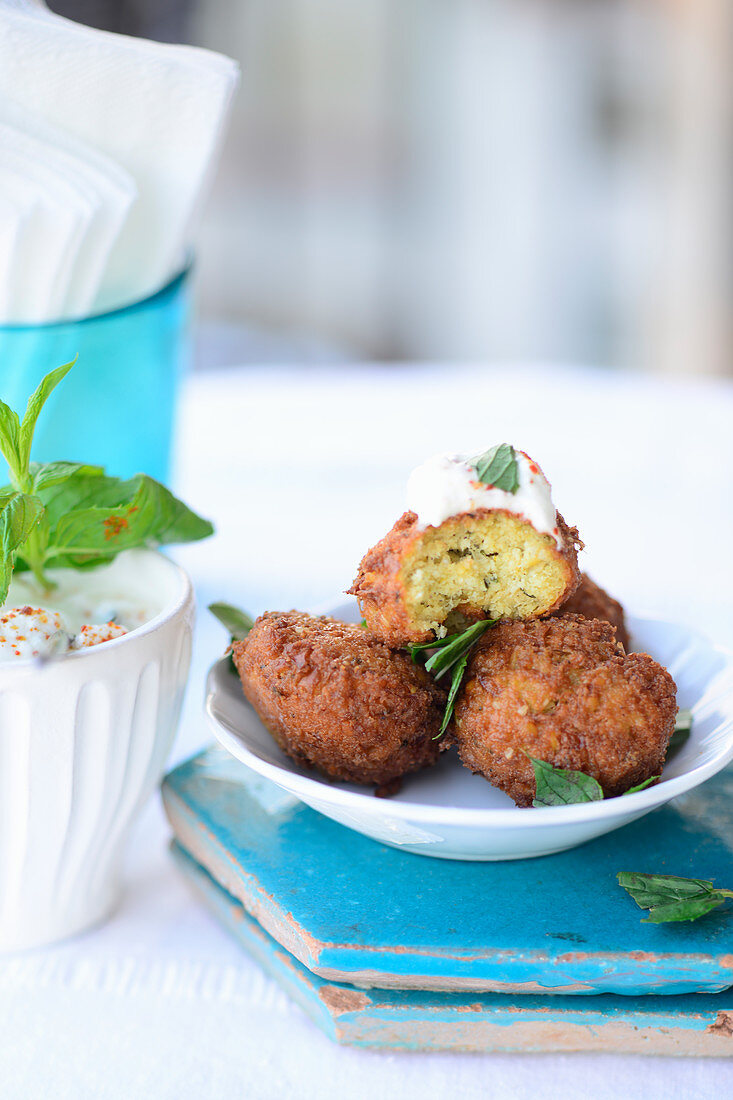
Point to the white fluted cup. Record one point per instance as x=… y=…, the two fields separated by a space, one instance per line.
x=83 y=742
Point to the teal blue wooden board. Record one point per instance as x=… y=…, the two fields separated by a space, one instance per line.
x=355 y=911
x=419 y=1020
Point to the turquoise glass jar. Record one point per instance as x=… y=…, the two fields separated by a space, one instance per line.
x=116 y=407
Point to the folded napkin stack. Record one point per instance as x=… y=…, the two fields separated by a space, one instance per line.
x=107 y=144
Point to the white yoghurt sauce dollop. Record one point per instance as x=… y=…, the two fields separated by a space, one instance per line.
x=447 y=485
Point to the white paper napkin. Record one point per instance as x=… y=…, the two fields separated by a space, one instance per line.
x=132 y=126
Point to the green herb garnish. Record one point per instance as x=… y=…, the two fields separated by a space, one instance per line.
x=682 y=729
x=451 y=655
x=670 y=898
x=498 y=467
x=72 y=514
x=561 y=787
x=237 y=622
x=642 y=786
x=558 y=787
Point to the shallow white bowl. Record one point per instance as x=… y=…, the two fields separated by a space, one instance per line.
x=83 y=742
x=449 y=813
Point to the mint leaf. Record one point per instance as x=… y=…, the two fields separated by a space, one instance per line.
x=422 y=647
x=452 y=649
x=559 y=787
x=671 y=897
x=9 y=438
x=682 y=730
x=33 y=409
x=451 y=655
x=138 y=512
x=456 y=680
x=497 y=467
x=648 y=890
x=237 y=622
x=18 y=516
x=684 y=910
x=45 y=474
x=642 y=786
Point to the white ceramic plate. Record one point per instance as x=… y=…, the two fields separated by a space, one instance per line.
x=449 y=813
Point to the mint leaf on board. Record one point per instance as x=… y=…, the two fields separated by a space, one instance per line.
x=642 y=786
x=451 y=655
x=237 y=622
x=670 y=897
x=559 y=787
x=497 y=467
x=18 y=516
x=684 y=910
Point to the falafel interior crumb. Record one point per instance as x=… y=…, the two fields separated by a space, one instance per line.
x=495 y=563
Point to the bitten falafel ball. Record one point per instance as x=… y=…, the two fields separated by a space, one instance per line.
x=562 y=690
x=593 y=602
x=481 y=539
x=335 y=698
x=418 y=584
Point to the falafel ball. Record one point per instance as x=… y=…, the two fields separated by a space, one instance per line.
x=562 y=690
x=335 y=698
x=593 y=602
x=419 y=583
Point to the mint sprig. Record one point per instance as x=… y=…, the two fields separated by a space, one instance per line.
x=71 y=513
x=498 y=468
x=451 y=655
x=670 y=897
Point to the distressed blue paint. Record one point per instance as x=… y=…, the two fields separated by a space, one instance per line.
x=694 y=1024
x=348 y=906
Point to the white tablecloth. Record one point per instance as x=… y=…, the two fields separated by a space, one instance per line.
x=302 y=469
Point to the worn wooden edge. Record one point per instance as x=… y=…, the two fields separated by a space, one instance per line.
x=693 y=1024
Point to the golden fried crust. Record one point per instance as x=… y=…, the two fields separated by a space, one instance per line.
x=593 y=602
x=380 y=590
x=335 y=698
x=562 y=690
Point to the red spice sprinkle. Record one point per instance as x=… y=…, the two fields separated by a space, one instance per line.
x=113 y=525
x=534 y=468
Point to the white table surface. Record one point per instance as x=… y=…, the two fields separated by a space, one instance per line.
x=302 y=469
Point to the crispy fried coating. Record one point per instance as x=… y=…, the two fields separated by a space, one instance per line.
x=335 y=698
x=417 y=583
x=562 y=690
x=593 y=602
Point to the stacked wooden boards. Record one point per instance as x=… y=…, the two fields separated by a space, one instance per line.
x=384 y=948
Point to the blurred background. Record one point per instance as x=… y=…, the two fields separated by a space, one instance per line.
x=465 y=179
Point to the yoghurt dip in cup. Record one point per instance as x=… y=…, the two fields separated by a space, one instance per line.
x=95 y=646
x=83 y=740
